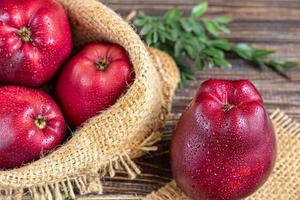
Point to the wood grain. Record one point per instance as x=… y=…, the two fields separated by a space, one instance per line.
x=272 y=24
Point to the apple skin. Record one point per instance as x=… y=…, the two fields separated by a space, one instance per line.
x=35 y=40
x=93 y=80
x=224 y=146
x=31 y=124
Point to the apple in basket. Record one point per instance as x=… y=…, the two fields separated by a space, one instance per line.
x=224 y=145
x=93 y=80
x=35 y=39
x=31 y=124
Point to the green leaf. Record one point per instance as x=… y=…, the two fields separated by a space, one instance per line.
x=224 y=29
x=203 y=39
x=139 y=22
x=197 y=28
x=178 y=48
x=162 y=37
x=190 y=76
x=211 y=27
x=173 y=35
x=276 y=62
x=213 y=52
x=190 y=51
x=221 y=44
x=244 y=51
x=180 y=60
x=289 y=65
x=155 y=37
x=146 y=29
x=200 y=47
x=282 y=65
x=160 y=26
x=221 y=62
x=173 y=14
x=186 y=25
x=244 y=47
x=223 y=19
x=260 y=53
x=174 y=28
x=149 y=39
x=183 y=80
x=167 y=36
x=200 y=63
x=199 y=9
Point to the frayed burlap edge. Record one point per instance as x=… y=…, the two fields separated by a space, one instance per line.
x=88 y=181
x=283 y=184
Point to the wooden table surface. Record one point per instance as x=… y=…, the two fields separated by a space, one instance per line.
x=271 y=24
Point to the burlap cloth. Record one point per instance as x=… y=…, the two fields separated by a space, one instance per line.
x=284 y=182
x=110 y=140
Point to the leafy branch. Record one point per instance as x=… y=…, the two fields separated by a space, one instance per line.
x=198 y=39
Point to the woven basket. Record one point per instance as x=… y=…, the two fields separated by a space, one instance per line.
x=110 y=140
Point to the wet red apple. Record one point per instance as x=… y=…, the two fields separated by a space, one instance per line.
x=224 y=145
x=31 y=124
x=35 y=39
x=93 y=80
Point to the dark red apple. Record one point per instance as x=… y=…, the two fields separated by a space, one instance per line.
x=224 y=145
x=35 y=39
x=31 y=124
x=93 y=80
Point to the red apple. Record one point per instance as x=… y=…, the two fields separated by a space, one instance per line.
x=224 y=144
x=31 y=124
x=93 y=80
x=35 y=39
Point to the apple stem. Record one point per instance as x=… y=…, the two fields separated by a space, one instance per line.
x=25 y=34
x=40 y=122
x=102 y=64
x=228 y=107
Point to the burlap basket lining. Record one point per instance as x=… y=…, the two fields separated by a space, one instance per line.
x=110 y=140
x=284 y=183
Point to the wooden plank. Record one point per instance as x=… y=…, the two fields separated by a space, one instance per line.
x=231 y=3
x=272 y=24
x=267 y=9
